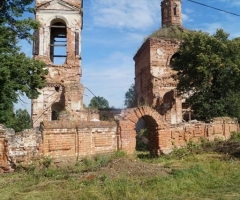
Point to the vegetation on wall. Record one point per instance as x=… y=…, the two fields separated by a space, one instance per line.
x=171 y=32
x=208 y=74
x=19 y=74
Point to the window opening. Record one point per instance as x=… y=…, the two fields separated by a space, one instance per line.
x=54 y=115
x=36 y=43
x=174 y=57
x=58 y=43
x=175 y=10
x=56 y=109
x=57 y=89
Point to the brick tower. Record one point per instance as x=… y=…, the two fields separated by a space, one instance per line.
x=171 y=12
x=153 y=65
x=57 y=44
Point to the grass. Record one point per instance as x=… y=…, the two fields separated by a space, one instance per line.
x=195 y=172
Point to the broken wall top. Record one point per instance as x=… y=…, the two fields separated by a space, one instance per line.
x=172 y=33
x=58 y=124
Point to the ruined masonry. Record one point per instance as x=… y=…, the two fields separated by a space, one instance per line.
x=58 y=45
x=64 y=130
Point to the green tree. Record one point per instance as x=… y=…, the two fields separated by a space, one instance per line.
x=208 y=73
x=98 y=102
x=22 y=120
x=130 y=97
x=19 y=74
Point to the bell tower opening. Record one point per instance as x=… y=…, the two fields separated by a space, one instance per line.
x=171 y=13
x=58 y=41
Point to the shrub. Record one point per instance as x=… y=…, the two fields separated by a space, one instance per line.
x=235 y=137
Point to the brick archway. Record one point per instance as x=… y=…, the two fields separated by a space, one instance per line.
x=154 y=122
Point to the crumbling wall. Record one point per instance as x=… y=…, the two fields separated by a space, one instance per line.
x=4 y=164
x=164 y=136
x=154 y=77
x=25 y=146
x=61 y=140
x=179 y=135
x=69 y=140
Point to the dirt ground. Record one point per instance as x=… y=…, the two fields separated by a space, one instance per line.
x=129 y=168
x=132 y=167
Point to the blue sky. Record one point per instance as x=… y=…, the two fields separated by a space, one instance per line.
x=113 y=30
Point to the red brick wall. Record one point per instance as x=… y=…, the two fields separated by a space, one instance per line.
x=163 y=136
x=68 y=139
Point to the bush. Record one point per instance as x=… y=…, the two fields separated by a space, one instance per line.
x=235 y=137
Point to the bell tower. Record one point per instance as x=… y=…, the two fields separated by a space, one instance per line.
x=171 y=12
x=57 y=43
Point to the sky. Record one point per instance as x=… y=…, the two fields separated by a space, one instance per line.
x=113 y=31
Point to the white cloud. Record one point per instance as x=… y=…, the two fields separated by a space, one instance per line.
x=189 y=11
x=186 y=18
x=136 y=14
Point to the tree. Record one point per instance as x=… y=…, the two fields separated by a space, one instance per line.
x=208 y=73
x=22 y=120
x=19 y=74
x=130 y=97
x=99 y=102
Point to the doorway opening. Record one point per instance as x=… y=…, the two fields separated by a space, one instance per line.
x=147 y=135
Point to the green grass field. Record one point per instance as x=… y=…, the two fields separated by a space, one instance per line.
x=195 y=172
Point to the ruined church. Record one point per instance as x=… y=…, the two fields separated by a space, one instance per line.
x=65 y=131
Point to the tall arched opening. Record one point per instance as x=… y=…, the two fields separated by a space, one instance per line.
x=134 y=120
x=58 y=41
x=147 y=135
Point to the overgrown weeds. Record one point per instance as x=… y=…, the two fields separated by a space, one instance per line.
x=197 y=171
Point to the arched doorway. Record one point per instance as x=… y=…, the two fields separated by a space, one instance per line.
x=152 y=121
x=147 y=137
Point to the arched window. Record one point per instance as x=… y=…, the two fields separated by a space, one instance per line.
x=58 y=41
x=56 y=109
x=175 y=56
